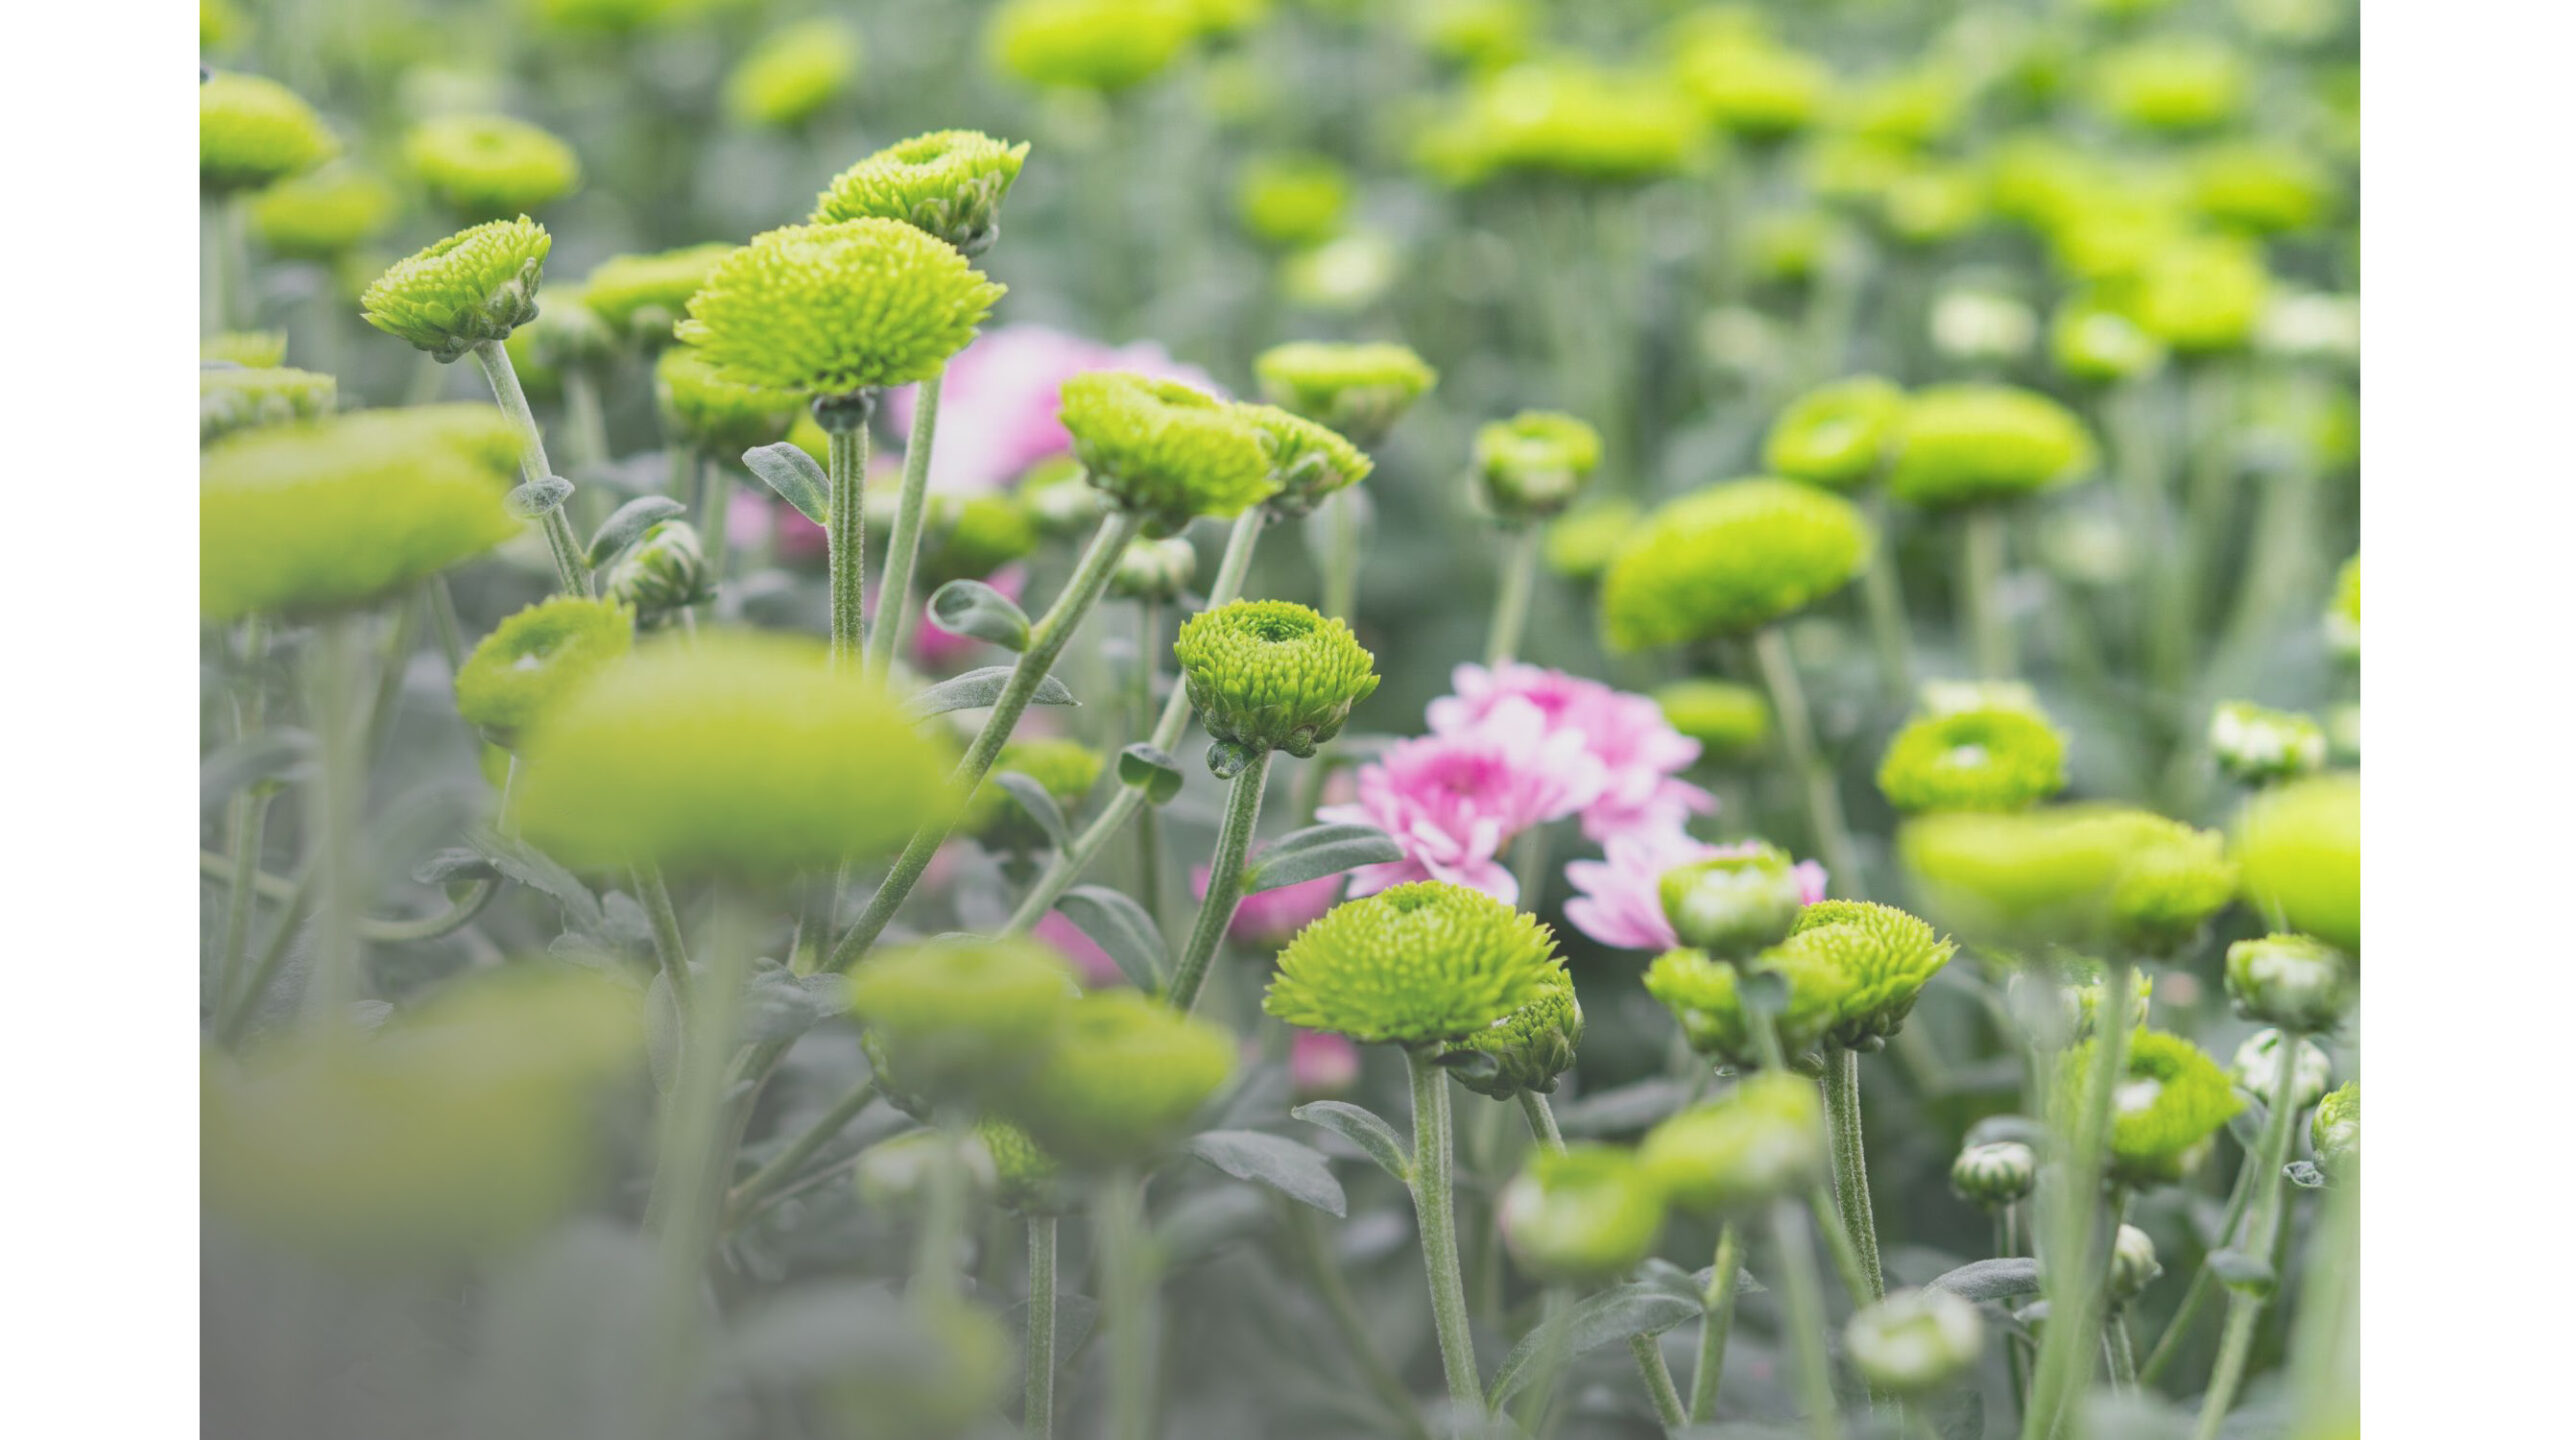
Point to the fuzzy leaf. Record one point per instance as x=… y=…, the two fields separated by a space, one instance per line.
x=536 y=498
x=268 y=756
x=1990 y=1279
x=980 y=611
x=453 y=867
x=1611 y=1317
x=787 y=470
x=1036 y=801
x=1122 y=928
x=978 y=689
x=1362 y=1128
x=626 y=525
x=1294 y=1170
x=1319 y=851
x=1144 y=767
x=531 y=868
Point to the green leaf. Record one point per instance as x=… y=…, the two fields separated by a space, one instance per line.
x=1122 y=928
x=1145 y=767
x=1364 y=1129
x=978 y=689
x=531 y=868
x=536 y=498
x=783 y=1006
x=268 y=757
x=454 y=867
x=1629 y=1107
x=1990 y=1279
x=627 y=525
x=1294 y=1170
x=2242 y=1272
x=787 y=470
x=980 y=611
x=1611 y=1317
x=1036 y=802
x=1319 y=851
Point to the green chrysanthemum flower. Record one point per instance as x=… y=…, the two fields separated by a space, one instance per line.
x=2169 y=1103
x=643 y=296
x=1124 y=1080
x=1270 y=675
x=972 y=538
x=1787 y=248
x=1885 y=954
x=2102 y=343
x=1706 y=996
x=324 y=214
x=1933 y=204
x=1416 y=964
x=1527 y=1049
x=2300 y=850
x=1913 y=1343
x=1756 y=89
x=949 y=184
x=2337 y=1125
x=1531 y=466
x=2255 y=744
x=1064 y=768
x=537 y=658
x=2175 y=83
x=699 y=406
x=2260 y=187
x=1310 y=462
x=2087 y=873
x=1973 y=444
x=1157 y=570
x=1911 y=109
x=1987 y=759
x=2171 y=880
x=1737 y=903
x=1757 y=1141
x=793 y=74
x=838 y=309
x=487 y=167
x=2202 y=297
x=248 y=349
x=1102 y=45
x=1292 y=201
x=1730 y=559
x=253 y=132
x=1361 y=390
x=464 y=290
x=1729 y=721
x=1164 y=450
x=662 y=574
x=2254 y=1067
x=1581 y=543
x=1581 y=1217
x=1839 y=435
x=2346 y=608
x=1568 y=120
x=309 y=519
x=1026 y=1175
x=731 y=755
x=231 y=399
x=962 y=1022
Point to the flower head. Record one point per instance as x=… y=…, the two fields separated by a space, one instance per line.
x=464 y=290
x=1164 y=450
x=1123 y=1079
x=949 y=184
x=2175 y=83
x=1973 y=444
x=1581 y=542
x=1990 y=758
x=1886 y=955
x=2202 y=296
x=323 y=214
x=2254 y=744
x=2346 y=608
x=1707 y=997
x=252 y=132
x=837 y=309
x=1839 y=435
x=486 y=167
x=1310 y=462
x=1755 y=88
x=661 y=574
x=1455 y=801
x=1101 y=45
x=1913 y=1342
x=1584 y=1216
x=964 y=1021
x=231 y=398
x=2260 y=186
x=2169 y=1103
x=732 y=754
x=1727 y=721
x=1620 y=899
x=1994 y=1174
x=642 y=296
x=2300 y=848
x=1729 y=559
x=1736 y=903
x=2095 y=873
x=2290 y=981
x=247 y=349
x=1639 y=753
x=1063 y=768
x=1292 y=201
x=2254 y=1066
x=999 y=416
x=1417 y=964
x=1756 y=1141
x=793 y=74
x=1156 y=570
x=1531 y=466
x=1270 y=675
x=2132 y=1265
x=700 y=406
x=536 y=658
x=2337 y=1125
x=1528 y=1049
x=2102 y=342
x=1360 y=390
x=1570 y=120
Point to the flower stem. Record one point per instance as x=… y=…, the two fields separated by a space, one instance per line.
x=567 y=555
x=1349 y=1325
x=848 y=453
x=2240 y=1322
x=1888 y=622
x=1128 y=1304
x=906 y=532
x=777 y=1172
x=711 y=516
x=337 y=828
x=1142 y=699
x=684 y=1193
x=1226 y=882
x=1339 y=555
x=2075 y=1258
x=1724 y=1287
x=666 y=935
x=1542 y=1120
x=1040 y=1331
x=2191 y=1305
x=1821 y=788
x=1657 y=1382
x=1800 y=1292
x=1840 y=1107
x=248 y=822
x=1511 y=602
x=1995 y=645
x=1433 y=1186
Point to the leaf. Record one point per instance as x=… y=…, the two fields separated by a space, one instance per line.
x=530 y=867
x=1294 y=1170
x=1629 y=1107
x=1035 y=800
x=1362 y=1128
x=270 y=756
x=1611 y=1317
x=782 y=1006
x=626 y=525
x=1671 y=1277
x=2305 y=1174
x=1990 y=1279
x=980 y=611
x=453 y=867
x=1319 y=851
x=2242 y=1272
x=536 y=498
x=787 y=471
x=1144 y=767
x=1122 y=928
x=978 y=689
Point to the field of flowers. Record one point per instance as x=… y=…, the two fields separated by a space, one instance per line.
x=1295 y=718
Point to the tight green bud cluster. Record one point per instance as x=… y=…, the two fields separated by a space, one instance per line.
x=1839 y=435
x=701 y=407
x=1163 y=450
x=1755 y=1142
x=2202 y=296
x=1099 y=45
x=324 y=214
x=1709 y=999
x=793 y=74
x=1157 y=570
x=662 y=574
x=1417 y=964
x=1360 y=390
x=1728 y=560
x=1531 y=466
x=2290 y=981
x=1976 y=444
x=1581 y=1217
x=643 y=296
x=1994 y=1174
x=1913 y=1342
x=2132 y=1265
x=465 y=290
x=1310 y=462
x=842 y=309
x=485 y=167
x=2102 y=343
x=1270 y=675
x=949 y=184
x=1885 y=954
x=231 y=399
x=1993 y=758
x=2300 y=849
x=1027 y=1177
x=252 y=132
x=1528 y=1049
x=2169 y=1103
x=2255 y=745
x=536 y=658
x=2337 y=1125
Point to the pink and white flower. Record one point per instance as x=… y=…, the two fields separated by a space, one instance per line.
x=1455 y=801
x=1620 y=896
x=1640 y=755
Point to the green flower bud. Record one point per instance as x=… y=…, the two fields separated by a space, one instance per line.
x=247 y=349
x=2131 y=1266
x=2337 y=1125
x=1164 y=450
x=699 y=406
x=232 y=399
x=2346 y=609
x=1785 y=249
x=2254 y=744
x=1067 y=770
x=1026 y=1176
x=1729 y=559
x=1528 y=1049
x=1995 y=1174
x=1885 y=954
x=1269 y=675
x=2254 y=1066
x=1975 y=444
x=1416 y=964
x=1838 y=435
x=2265 y=188
x=1730 y=722
x=2082 y=982
x=2170 y=881
x=2202 y=297
x=1987 y=759
x=487 y=167
x=1100 y=45
x=2102 y=344
x=2300 y=847
x=463 y=290
x=1344 y=275
x=1157 y=570
x=1292 y=201
x=1531 y=466
x=1358 y=390
x=897 y=1175
x=536 y=658
x=2169 y=1104
x=949 y=184
x=2175 y=83
x=2074 y=873
x=962 y=1022
x=1123 y=1081
x=662 y=574
x=2290 y=981
x=1932 y=205
x=939 y=1372
x=252 y=132
x=1567 y=120
x=732 y=755
x=1758 y=1140
x=324 y=214
x=1755 y=89
x=1707 y=997
x=793 y=74
x=1913 y=1342
x=1581 y=543
x=837 y=309
x=1310 y=462
x=1735 y=904
x=1911 y=109
x=643 y=296
x=332 y=515
x=1581 y=1217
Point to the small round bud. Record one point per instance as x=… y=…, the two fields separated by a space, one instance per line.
x=1310 y=462
x=323 y=215
x=1065 y=769
x=1885 y=954
x=464 y=290
x=1359 y=390
x=1738 y=904
x=1164 y=450
x=487 y=167
x=1026 y=1176
x=1528 y=1049
x=2337 y=1125
x=1729 y=559
x=1913 y=1342
x=232 y=399
x=2255 y=745
x=793 y=74
x=1754 y=88
x=1269 y=675
x=1566 y=120
x=1839 y=435
x=2300 y=849
x=1099 y=45
x=2202 y=296
x=2171 y=880
x=1581 y=543
x=1415 y=964
x=2290 y=981
x=1712 y=998
x=1758 y=1140
x=661 y=574
x=2131 y=1266
x=1158 y=570
x=699 y=406
x=536 y=658
x=897 y=1175
x=252 y=132
x=837 y=310
x=2082 y=985
x=1729 y=721
x=643 y=296
x=1581 y=1217
x=1531 y=466
x=1992 y=758
x=1292 y=201
x=2254 y=1066
x=2169 y=1103
x=2259 y=186
x=2002 y=1172
x=1785 y=249
x=962 y=1022
x=1123 y=1080
x=566 y=335
x=1975 y=444
x=949 y=184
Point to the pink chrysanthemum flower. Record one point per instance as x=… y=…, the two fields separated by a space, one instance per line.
x=1091 y=961
x=1321 y=1064
x=1000 y=401
x=1455 y=801
x=1620 y=899
x=1640 y=754
x=1273 y=918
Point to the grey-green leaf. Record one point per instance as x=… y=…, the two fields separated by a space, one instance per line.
x=1990 y=1279
x=1036 y=802
x=980 y=611
x=1124 y=930
x=1145 y=767
x=268 y=756
x=1611 y=1317
x=536 y=498
x=1294 y=1170
x=1319 y=851
x=978 y=689
x=1364 y=1129
x=627 y=525
x=788 y=471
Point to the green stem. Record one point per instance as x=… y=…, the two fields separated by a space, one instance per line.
x=2132 y=424
x=2212 y=394
x=1657 y=1382
x=1226 y=882
x=2120 y=1365
x=1845 y=1255
x=1349 y=1325
x=337 y=822
x=711 y=520
x=1800 y=1291
x=1128 y=1304
x=1434 y=1212
x=1542 y=1120
x=1995 y=645
x=748 y=1194
x=375 y=929
x=906 y=532
x=666 y=935
x=1840 y=1107
x=567 y=555
x=2240 y=1322
x=1142 y=699
x=243 y=1001
x=2201 y=1285
x=1340 y=581
x=1804 y=757
x=937 y=1264
x=1040 y=1331
x=2075 y=1257
x=1888 y=621
x=248 y=824
x=848 y=452
x=1511 y=602
x=588 y=448
x=228 y=303
x=684 y=1195
x=1724 y=1288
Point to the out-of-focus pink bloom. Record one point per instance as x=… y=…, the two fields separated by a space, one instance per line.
x=1455 y=801
x=1641 y=755
x=1273 y=918
x=937 y=648
x=1060 y=934
x=1000 y=401
x=1322 y=1065
x=1621 y=895
x=796 y=537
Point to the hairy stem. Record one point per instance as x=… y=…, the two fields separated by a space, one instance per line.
x=1128 y=1304
x=1511 y=602
x=848 y=453
x=1226 y=882
x=1995 y=644
x=1433 y=1206
x=1657 y=1383
x=568 y=557
x=248 y=824
x=337 y=822
x=1800 y=1291
x=1724 y=1287
x=1040 y=1331
x=1804 y=757
x=684 y=1193
x=1847 y=1125
x=1888 y=621
x=2073 y=1253
x=2201 y=1285
x=2240 y=1322
x=906 y=532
